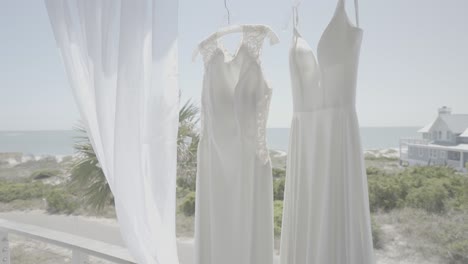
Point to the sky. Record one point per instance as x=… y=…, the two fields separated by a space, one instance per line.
x=414 y=58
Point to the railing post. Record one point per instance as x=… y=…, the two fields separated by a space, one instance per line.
x=462 y=161
x=4 y=247
x=79 y=257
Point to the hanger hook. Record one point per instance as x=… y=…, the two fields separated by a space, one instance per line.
x=228 y=12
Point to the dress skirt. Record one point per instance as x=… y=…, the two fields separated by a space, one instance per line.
x=326 y=207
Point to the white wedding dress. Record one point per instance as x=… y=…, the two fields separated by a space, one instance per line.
x=234 y=200
x=326 y=217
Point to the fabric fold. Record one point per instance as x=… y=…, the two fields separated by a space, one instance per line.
x=121 y=61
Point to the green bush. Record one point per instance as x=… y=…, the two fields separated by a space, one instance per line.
x=458 y=251
x=278 y=189
x=374 y=171
x=377 y=234
x=181 y=192
x=278 y=217
x=188 y=204
x=21 y=191
x=60 y=201
x=385 y=192
x=44 y=174
x=432 y=197
x=188 y=183
x=278 y=173
x=434 y=189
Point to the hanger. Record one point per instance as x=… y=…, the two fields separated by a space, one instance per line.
x=274 y=39
x=228 y=12
x=230 y=30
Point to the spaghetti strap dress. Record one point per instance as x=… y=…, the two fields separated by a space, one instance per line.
x=326 y=218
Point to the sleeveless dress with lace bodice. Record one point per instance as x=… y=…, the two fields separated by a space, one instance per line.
x=234 y=199
x=326 y=217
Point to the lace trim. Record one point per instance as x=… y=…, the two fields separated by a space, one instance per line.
x=254 y=36
x=253 y=39
x=262 y=119
x=207 y=49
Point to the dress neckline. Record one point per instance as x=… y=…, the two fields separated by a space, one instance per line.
x=226 y=53
x=316 y=51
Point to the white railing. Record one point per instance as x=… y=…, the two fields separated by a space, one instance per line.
x=405 y=142
x=418 y=141
x=81 y=247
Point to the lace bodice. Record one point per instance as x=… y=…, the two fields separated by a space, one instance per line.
x=238 y=83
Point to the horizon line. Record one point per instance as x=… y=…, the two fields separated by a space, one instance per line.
x=71 y=129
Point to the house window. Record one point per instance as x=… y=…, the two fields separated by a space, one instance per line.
x=453 y=155
x=449 y=135
x=440 y=134
x=421 y=152
x=443 y=154
x=434 y=135
x=434 y=153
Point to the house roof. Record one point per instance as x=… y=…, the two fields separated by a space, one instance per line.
x=465 y=134
x=427 y=127
x=457 y=123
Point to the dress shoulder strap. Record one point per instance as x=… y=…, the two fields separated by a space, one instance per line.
x=341 y=4
x=254 y=37
x=206 y=48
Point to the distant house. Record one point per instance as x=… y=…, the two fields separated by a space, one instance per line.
x=443 y=142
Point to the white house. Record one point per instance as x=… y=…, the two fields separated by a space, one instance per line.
x=444 y=142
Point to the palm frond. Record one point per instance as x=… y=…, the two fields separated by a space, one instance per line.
x=89 y=180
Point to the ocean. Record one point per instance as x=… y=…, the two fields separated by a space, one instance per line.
x=61 y=142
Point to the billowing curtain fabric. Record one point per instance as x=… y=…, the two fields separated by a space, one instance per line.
x=121 y=60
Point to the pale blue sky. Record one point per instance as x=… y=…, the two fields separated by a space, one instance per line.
x=414 y=58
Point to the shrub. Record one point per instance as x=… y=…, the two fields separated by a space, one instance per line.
x=433 y=234
x=377 y=234
x=181 y=192
x=21 y=191
x=278 y=217
x=188 y=204
x=278 y=173
x=59 y=201
x=434 y=189
x=432 y=197
x=44 y=174
x=374 y=171
x=458 y=251
x=188 y=183
x=385 y=193
x=278 y=189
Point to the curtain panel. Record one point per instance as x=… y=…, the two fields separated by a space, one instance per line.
x=121 y=60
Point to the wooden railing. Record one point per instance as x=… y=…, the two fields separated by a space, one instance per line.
x=81 y=247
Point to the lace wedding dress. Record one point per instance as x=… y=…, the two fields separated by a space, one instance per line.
x=326 y=216
x=234 y=200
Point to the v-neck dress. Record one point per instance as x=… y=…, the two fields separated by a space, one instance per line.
x=326 y=217
x=234 y=197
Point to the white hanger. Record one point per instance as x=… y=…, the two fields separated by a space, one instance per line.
x=274 y=39
x=232 y=29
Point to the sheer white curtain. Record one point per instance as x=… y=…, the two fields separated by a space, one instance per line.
x=121 y=61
